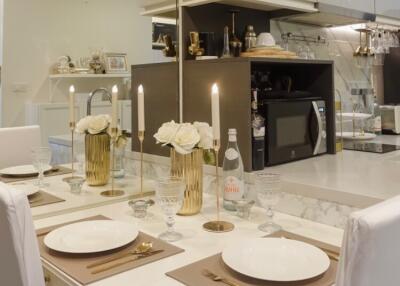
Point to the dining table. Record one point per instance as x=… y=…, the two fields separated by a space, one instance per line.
x=89 y=197
x=196 y=243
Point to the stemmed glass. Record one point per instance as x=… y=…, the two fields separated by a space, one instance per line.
x=169 y=193
x=41 y=159
x=268 y=191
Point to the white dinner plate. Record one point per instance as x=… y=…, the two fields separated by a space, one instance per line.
x=355 y=115
x=91 y=236
x=22 y=170
x=276 y=259
x=356 y=136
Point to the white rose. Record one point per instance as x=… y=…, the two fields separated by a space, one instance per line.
x=166 y=132
x=83 y=125
x=186 y=138
x=206 y=134
x=98 y=124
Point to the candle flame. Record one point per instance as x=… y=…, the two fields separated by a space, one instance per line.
x=71 y=88
x=140 y=88
x=115 y=89
x=214 y=88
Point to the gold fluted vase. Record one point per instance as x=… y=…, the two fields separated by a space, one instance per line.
x=189 y=167
x=97 y=154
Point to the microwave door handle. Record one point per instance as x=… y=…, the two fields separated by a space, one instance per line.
x=319 y=122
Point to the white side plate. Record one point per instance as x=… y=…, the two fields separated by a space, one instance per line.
x=355 y=115
x=276 y=259
x=356 y=136
x=91 y=236
x=22 y=170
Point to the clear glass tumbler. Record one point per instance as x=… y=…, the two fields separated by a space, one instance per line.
x=268 y=188
x=169 y=193
x=41 y=159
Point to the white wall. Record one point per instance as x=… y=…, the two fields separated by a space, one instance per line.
x=37 y=32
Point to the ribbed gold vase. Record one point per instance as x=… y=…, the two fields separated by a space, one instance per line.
x=189 y=167
x=97 y=154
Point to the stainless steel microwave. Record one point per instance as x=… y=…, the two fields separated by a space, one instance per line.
x=295 y=129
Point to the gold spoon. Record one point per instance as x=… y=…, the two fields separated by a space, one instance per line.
x=140 y=249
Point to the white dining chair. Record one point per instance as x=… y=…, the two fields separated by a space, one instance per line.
x=16 y=144
x=370 y=251
x=20 y=263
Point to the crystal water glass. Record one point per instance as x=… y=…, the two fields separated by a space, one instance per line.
x=41 y=159
x=268 y=188
x=169 y=193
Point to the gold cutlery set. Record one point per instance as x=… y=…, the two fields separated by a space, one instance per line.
x=143 y=250
x=218 y=278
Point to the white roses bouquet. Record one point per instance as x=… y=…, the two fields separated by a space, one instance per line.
x=184 y=137
x=96 y=124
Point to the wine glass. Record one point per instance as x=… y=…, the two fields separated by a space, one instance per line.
x=169 y=193
x=268 y=191
x=41 y=159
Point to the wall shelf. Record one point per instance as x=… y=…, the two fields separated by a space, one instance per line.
x=88 y=75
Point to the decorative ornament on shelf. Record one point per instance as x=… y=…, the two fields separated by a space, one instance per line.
x=187 y=142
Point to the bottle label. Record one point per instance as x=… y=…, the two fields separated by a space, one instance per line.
x=231 y=154
x=259 y=132
x=233 y=188
x=377 y=124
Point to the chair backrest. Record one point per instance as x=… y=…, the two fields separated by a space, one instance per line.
x=370 y=250
x=20 y=263
x=16 y=144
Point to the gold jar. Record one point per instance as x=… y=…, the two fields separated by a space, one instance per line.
x=190 y=168
x=97 y=154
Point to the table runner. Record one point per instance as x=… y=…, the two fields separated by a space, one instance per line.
x=42 y=198
x=191 y=275
x=75 y=265
x=56 y=171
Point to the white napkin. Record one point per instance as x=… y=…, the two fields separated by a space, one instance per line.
x=20 y=263
x=370 y=253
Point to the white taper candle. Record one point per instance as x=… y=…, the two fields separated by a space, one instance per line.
x=71 y=104
x=114 y=115
x=215 y=112
x=141 y=125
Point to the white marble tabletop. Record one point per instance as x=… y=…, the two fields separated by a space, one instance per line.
x=350 y=177
x=197 y=243
x=90 y=196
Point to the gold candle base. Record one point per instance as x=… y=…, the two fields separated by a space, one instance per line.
x=141 y=139
x=113 y=192
x=67 y=179
x=217 y=225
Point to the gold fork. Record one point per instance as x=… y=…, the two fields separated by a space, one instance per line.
x=218 y=278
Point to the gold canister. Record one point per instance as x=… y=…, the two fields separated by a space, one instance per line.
x=189 y=167
x=97 y=154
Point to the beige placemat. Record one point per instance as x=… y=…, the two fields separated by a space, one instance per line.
x=191 y=275
x=57 y=170
x=42 y=198
x=75 y=265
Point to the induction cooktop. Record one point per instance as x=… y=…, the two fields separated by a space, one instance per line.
x=370 y=147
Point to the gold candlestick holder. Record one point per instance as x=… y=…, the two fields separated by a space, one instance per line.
x=217 y=225
x=141 y=139
x=72 y=128
x=113 y=192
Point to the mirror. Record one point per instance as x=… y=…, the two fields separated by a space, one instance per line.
x=91 y=45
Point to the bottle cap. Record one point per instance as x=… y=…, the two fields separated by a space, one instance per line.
x=232 y=131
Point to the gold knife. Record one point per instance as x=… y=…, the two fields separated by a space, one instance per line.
x=108 y=267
